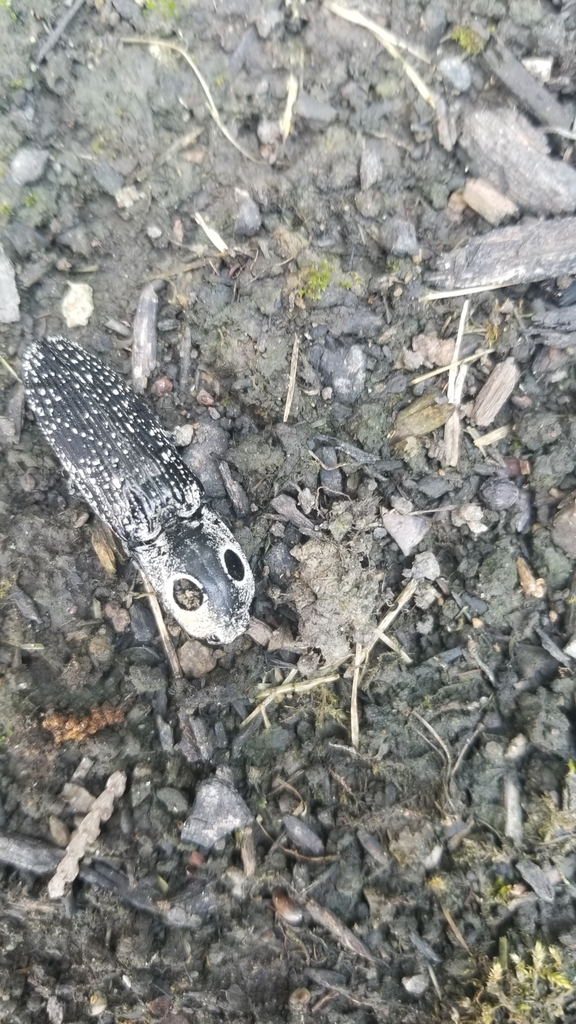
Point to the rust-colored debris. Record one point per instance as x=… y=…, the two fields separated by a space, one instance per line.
x=70 y=727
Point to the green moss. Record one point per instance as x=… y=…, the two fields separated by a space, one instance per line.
x=5 y=209
x=525 y=990
x=165 y=8
x=6 y=5
x=315 y=281
x=30 y=200
x=468 y=39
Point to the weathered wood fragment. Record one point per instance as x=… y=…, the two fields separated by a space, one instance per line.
x=531 y=94
x=514 y=155
x=519 y=254
x=495 y=392
x=481 y=196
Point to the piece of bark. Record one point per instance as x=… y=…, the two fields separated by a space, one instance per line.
x=481 y=196
x=518 y=254
x=531 y=94
x=513 y=154
x=496 y=392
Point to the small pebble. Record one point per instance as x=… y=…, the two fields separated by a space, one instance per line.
x=248 y=219
x=417 y=984
x=499 y=494
x=398 y=237
x=161 y=386
x=457 y=72
x=77 y=305
x=27 y=165
x=119 y=617
x=196 y=660
x=370 y=168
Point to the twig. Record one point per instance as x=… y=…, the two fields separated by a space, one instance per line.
x=388 y=619
x=457 y=293
x=161 y=626
x=49 y=44
x=218 y=242
x=438 y=739
x=455 y=930
x=354 y=724
x=469 y=743
x=292 y=95
x=213 y=110
x=275 y=693
x=456 y=378
x=11 y=371
x=292 y=380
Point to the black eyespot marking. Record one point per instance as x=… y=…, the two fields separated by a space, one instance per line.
x=187 y=595
x=234 y=565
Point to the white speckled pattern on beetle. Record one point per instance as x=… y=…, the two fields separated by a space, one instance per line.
x=125 y=466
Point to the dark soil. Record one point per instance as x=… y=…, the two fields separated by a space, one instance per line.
x=274 y=869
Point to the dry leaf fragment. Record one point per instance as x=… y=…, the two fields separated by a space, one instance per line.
x=496 y=392
x=420 y=417
x=531 y=586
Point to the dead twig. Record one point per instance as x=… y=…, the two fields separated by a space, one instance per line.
x=212 y=108
x=56 y=34
x=354 y=723
x=456 y=378
x=292 y=379
x=167 y=644
x=450 y=366
x=455 y=930
x=291 y=97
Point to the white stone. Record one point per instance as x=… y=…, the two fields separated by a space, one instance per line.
x=9 y=298
x=77 y=305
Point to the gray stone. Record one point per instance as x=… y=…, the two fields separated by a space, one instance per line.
x=9 y=298
x=108 y=179
x=27 y=165
x=248 y=219
x=398 y=236
x=370 y=168
x=311 y=109
x=457 y=72
x=218 y=810
x=173 y=800
x=346 y=372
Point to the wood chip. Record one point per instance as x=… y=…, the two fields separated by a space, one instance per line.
x=340 y=931
x=531 y=586
x=513 y=154
x=481 y=196
x=287 y=507
x=528 y=90
x=519 y=254
x=496 y=392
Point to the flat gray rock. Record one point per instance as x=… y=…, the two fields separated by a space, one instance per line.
x=218 y=810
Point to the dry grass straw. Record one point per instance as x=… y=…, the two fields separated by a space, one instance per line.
x=391 y=43
x=213 y=110
x=292 y=379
